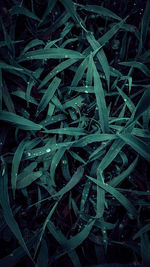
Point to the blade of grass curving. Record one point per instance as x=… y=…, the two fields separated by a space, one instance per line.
x=28 y=179
x=113 y=151
x=45 y=149
x=138 y=65
x=126 y=99
x=20 y=10
x=115 y=193
x=144 y=25
x=56 y=53
x=15 y=164
x=120 y=178
x=49 y=44
x=100 y=55
x=26 y=171
x=53 y=119
x=55 y=161
x=70 y=7
x=48 y=95
x=91 y=138
x=6 y=66
x=31 y=83
x=79 y=72
x=72 y=183
x=76 y=101
x=44 y=227
x=85 y=194
x=22 y=95
x=138 y=145
x=143 y=105
x=7 y=98
x=68 y=131
x=100 y=10
x=31 y=44
x=7 y=212
x=62 y=240
x=78 y=239
x=77 y=157
x=57 y=103
x=60 y=67
x=7 y=38
x=143 y=230
x=20 y=121
x=100 y=99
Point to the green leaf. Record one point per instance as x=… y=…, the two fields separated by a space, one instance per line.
x=137 y=65
x=68 y=131
x=48 y=94
x=21 y=122
x=100 y=10
x=20 y=10
x=31 y=44
x=70 y=7
x=55 y=161
x=138 y=145
x=113 y=151
x=145 y=24
x=100 y=99
x=7 y=212
x=56 y=53
x=143 y=230
x=119 y=196
x=119 y=178
x=30 y=178
x=74 y=180
x=60 y=67
x=15 y=164
x=143 y=104
x=100 y=55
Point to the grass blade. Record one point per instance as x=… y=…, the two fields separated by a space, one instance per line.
x=100 y=99
x=21 y=122
x=101 y=56
x=139 y=146
x=74 y=180
x=48 y=95
x=119 y=196
x=8 y=215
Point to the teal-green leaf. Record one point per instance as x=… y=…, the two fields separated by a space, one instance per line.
x=8 y=215
x=100 y=99
x=138 y=145
x=20 y=121
x=119 y=196
x=48 y=94
x=20 y=10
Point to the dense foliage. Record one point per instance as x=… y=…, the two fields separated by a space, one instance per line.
x=75 y=133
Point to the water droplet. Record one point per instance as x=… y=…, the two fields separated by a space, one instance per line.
x=64 y=161
x=86 y=91
x=29 y=154
x=125 y=100
x=11 y=255
x=66 y=56
x=48 y=150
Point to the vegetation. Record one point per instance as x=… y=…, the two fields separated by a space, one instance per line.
x=75 y=135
